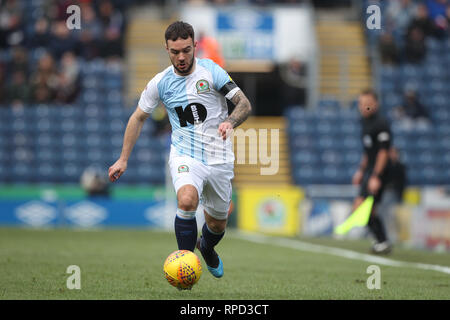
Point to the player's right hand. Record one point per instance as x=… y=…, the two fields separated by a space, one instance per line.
x=357 y=177
x=117 y=169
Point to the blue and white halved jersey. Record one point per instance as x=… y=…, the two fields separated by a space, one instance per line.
x=196 y=106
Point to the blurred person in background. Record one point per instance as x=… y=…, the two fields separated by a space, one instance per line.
x=388 y=49
x=371 y=175
x=61 y=39
x=399 y=14
x=397 y=175
x=11 y=27
x=111 y=46
x=209 y=48
x=19 y=61
x=18 y=91
x=112 y=22
x=57 y=9
x=69 y=79
x=44 y=81
x=3 y=94
x=90 y=34
x=422 y=21
x=41 y=93
x=437 y=9
x=41 y=34
x=447 y=18
x=293 y=75
x=442 y=22
x=94 y=182
x=161 y=120
x=394 y=191
x=415 y=48
x=110 y=17
x=412 y=113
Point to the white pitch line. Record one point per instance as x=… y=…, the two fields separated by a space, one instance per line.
x=349 y=254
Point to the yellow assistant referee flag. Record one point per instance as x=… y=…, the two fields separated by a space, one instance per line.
x=359 y=218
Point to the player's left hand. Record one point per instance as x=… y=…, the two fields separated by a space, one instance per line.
x=374 y=184
x=225 y=129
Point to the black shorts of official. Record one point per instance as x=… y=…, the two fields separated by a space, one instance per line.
x=363 y=190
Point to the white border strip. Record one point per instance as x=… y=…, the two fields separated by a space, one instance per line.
x=344 y=253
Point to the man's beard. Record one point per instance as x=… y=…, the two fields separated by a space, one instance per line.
x=188 y=68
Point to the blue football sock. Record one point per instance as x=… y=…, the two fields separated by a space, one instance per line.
x=209 y=241
x=186 y=233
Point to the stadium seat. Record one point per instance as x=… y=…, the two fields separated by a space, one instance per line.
x=301 y=127
x=331 y=157
x=390 y=73
x=392 y=99
x=434 y=45
x=435 y=72
x=294 y=112
x=409 y=71
x=329 y=103
x=22 y=172
x=69 y=172
x=305 y=157
x=306 y=175
x=300 y=142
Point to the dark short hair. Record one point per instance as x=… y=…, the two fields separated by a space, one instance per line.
x=179 y=29
x=371 y=92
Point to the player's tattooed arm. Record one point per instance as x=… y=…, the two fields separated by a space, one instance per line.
x=241 y=110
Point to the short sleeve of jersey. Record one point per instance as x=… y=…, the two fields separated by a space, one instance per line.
x=149 y=97
x=384 y=136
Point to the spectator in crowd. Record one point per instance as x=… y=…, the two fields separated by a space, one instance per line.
x=293 y=75
x=399 y=14
x=110 y=17
x=447 y=19
x=113 y=27
x=415 y=48
x=19 y=61
x=437 y=10
x=161 y=121
x=41 y=34
x=389 y=51
x=3 y=95
x=412 y=113
x=94 y=182
x=68 y=84
x=112 y=44
x=58 y=9
x=394 y=191
x=62 y=39
x=397 y=175
x=90 y=34
x=44 y=80
x=442 y=22
x=18 y=91
x=422 y=21
x=11 y=28
x=41 y=93
x=209 y=48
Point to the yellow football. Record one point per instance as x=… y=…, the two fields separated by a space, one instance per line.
x=182 y=269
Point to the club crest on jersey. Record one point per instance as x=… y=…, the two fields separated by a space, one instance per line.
x=183 y=168
x=202 y=86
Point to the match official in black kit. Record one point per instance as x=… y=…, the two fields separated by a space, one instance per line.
x=372 y=173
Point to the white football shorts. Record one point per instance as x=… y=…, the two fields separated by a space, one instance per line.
x=213 y=182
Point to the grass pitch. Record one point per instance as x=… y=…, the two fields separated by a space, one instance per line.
x=128 y=264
